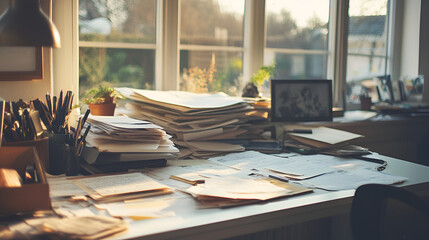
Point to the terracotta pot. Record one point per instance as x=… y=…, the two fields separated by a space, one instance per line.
x=106 y=109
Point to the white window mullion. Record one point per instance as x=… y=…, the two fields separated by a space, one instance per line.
x=171 y=38
x=254 y=37
x=339 y=53
x=395 y=38
x=121 y=45
x=159 y=52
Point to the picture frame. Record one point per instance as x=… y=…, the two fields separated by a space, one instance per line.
x=301 y=100
x=21 y=63
x=384 y=88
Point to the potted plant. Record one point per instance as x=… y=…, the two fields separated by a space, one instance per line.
x=101 y=100
x=253 y=87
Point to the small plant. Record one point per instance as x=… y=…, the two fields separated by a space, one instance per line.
x=253 y=87
x=263 y=74
x=102 y=95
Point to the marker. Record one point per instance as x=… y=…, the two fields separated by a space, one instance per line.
x=305 y=131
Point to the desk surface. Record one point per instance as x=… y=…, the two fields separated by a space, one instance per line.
x=193 y=223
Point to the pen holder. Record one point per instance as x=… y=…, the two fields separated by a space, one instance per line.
x=61 y=157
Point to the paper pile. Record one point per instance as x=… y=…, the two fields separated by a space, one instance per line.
x=196 y=121
x=232 y=191
x=324 y=140
x=76 y=227
x=120 y=140
x=118 y=187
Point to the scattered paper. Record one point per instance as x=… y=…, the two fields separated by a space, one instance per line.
x=120 y=184
x=238 y=188
x=351 y=179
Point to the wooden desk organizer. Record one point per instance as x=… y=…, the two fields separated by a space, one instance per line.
x=29 y=197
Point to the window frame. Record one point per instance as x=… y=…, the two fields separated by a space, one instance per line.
x=167 y=46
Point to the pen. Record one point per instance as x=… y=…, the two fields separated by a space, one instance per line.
x=48 y=102
x=280 y=178
x=81 y=123
x=305 y=131
x=82 y=139
x=374 y=160
x=54 y=105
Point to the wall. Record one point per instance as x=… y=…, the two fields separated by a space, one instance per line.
x=424 y=46
x=26 y=90
x=410 y=38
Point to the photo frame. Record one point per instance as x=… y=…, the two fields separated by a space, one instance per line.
x=384 y=88
x=298 y=100
x=21 y=63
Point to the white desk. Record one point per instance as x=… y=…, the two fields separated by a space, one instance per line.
x=192 y=223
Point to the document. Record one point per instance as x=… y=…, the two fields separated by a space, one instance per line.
x=238 y=188
x=351 y=179
x=187 y=100
x=111 y=185
x=139 y=209
x=194 y=119
x=323 y=137
x=76 y=227
x=190 y=178
x=62 y=186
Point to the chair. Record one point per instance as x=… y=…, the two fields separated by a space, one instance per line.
x=387 y=212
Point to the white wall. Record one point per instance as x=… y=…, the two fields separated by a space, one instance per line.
x=410 y=38
x=27 y=90
x=424 y=47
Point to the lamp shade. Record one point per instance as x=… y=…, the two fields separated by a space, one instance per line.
x=25 y=24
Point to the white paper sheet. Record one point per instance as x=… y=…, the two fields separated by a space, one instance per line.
x=121 y=183
x=351 y=179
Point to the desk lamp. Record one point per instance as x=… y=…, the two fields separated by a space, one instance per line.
x=25 y=24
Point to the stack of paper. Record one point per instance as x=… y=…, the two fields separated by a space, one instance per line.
x=231 y=191
x=118 y=187
x=72 y=227
x=327 y=140
x=196 y=121
x=120 y=139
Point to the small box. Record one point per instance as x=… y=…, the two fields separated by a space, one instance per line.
x=42 y=147
x=30 y=197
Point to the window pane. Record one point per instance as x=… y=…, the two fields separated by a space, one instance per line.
x=297 y=24
x=203 y=71
x=367 y=42
x=297 y=39
x=299 y=65
x=212 y=22
x=119 y=67
x=117 y=21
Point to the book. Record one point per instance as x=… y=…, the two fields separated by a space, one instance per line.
x=324 y=138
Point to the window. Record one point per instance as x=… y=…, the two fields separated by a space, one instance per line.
x=368 y=42
x=297 y=38
x=211 y=45
x=221 y=43
x=117 y=43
